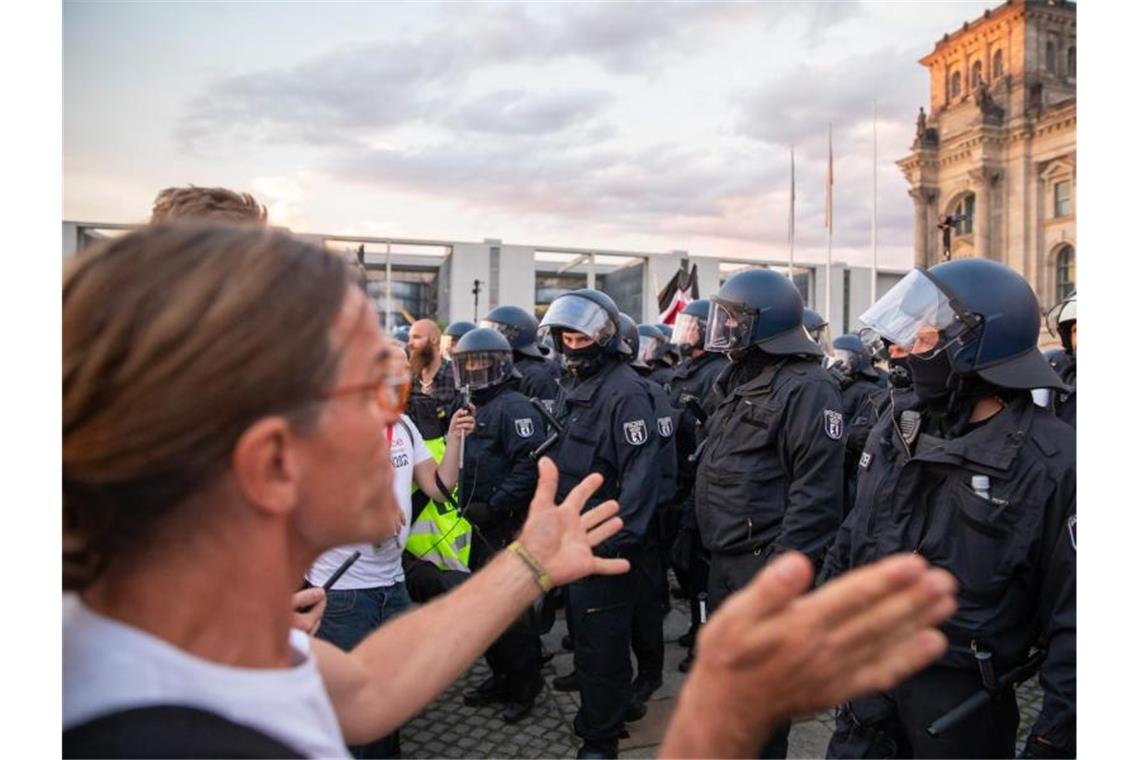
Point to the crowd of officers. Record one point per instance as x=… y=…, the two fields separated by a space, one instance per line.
x=744 y=431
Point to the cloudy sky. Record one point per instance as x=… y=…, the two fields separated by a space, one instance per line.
x=611 y=125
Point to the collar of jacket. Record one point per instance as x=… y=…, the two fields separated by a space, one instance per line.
x=583 y=392
x=692 y=366
x=993 y=446
x=761 y=382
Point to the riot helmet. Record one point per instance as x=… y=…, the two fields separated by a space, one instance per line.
x=1061 y=321
x=851 y=357
x=482 y=359
x=451 y=336
x=690 y=327
x=587 y=311
x=758 y=307
x=631 y=339
x=650 y=345
x=818 y=328
x=517 y=325
x=976 y=316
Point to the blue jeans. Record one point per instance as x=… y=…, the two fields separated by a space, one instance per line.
x=352 y=615
x=349 y=617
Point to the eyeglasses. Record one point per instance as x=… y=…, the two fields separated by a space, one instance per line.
x=391 y=391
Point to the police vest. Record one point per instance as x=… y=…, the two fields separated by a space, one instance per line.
x=439 y=534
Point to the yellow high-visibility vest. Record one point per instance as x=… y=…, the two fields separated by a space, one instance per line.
x=439 y=535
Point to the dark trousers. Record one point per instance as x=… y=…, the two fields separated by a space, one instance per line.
x=602 y=611
x=648 y=637
x=894 y=724
x=696 y=583
x=515 y=658
x=727 y=574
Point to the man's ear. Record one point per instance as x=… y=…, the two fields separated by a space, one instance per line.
x=266 y=467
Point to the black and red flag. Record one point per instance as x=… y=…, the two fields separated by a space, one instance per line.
x=678 y=293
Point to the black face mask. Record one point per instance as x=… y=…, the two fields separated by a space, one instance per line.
x=898 y=373
x=931 y=377
x=583 y=362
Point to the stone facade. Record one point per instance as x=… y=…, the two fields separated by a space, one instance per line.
x=997 y=151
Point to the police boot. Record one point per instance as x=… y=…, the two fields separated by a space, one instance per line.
x=685 y=664
x=516 y=711
x=635 y=711
x=568 y=682
x=644 y=686
x=491 y=690
x=598 y=749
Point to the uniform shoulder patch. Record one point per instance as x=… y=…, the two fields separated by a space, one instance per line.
x=665 y=426
x=833 y=424
x=524 y=427
x=1073 y=532
x=865 y=460
x=635 y=432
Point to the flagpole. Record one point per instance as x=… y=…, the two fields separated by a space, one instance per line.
x=792 y=219
x=830 y=226
x=875 y=202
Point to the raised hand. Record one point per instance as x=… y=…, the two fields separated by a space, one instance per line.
x=769 y=653
x=561 y=537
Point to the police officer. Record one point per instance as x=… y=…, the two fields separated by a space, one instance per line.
x=692 y=381
x=649 y=613
x=820 y=332
x=1065 y=365
x=497 y=484
x=853 y=367
x=609 y=427
x=981 y=481
x=451 y=335
x=650 y=350
x=539 y=376
x=770 y=476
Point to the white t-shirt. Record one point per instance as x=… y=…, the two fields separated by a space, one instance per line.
x=379 y=565
x=110 y=666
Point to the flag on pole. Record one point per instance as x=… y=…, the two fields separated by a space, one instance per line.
x=679 y=292
x=830 y=229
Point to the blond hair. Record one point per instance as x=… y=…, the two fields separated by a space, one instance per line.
x=206 y=203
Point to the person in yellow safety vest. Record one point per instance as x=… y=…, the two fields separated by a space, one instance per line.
x=439 y=534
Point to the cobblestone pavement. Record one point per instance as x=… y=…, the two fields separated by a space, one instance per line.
x=450 y=729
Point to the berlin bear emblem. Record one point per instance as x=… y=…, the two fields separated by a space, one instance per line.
x=833 y=424
x=524 y=427
x=665 y=426
x=635 y=432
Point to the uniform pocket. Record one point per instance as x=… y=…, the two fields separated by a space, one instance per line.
x=977 y=539
x=742 y=506
x=576 y=455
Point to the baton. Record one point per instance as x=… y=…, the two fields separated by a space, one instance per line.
x=554 y=424
x=980 y=699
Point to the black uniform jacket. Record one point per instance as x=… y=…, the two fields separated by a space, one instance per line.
x=497 y=470
x=539 y=378
x=770 y=476
x=1013 y=552
x=610 y=428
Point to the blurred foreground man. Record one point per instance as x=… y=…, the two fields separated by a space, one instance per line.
x=969 y=473
x=211 y=454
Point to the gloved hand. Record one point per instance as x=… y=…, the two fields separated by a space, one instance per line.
x=1035 y=746
x=480 y=513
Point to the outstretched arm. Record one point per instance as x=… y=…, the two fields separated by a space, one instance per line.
x=405 y=664
x=769 y=653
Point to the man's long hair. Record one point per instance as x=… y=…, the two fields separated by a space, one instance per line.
x=175 y=340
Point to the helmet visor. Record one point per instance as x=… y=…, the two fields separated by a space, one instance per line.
x=648 y=349
x=687 y=332
x=822 y=337
x=730 y=325
x=844 y=359
x=874 y=343
x=446 y=343
x=510 y=332
x=481 y=369
x=1063 y=311
x=579 y=314
x=915 y=315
